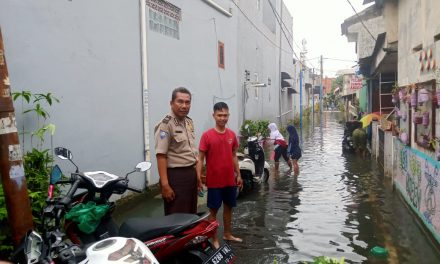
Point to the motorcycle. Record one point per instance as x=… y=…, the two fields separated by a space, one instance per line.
x=175 y=238
x=51 y=247
x=254 y=169
x=347 y=141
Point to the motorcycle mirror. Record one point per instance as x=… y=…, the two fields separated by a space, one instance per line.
x=63 y=153
x=55 y=174
x=143 y=166
x=33 y=247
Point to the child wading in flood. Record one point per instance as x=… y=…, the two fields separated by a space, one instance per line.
x=280 y=146
x=293 y=149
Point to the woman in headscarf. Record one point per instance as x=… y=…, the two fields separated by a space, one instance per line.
x=293 y=149
x=280 y=146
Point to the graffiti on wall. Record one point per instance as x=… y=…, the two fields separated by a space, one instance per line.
x=418 y=176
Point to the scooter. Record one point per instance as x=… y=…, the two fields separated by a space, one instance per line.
x=177 y=238
x=347 y=140
x=51 y=247
x=253 y=167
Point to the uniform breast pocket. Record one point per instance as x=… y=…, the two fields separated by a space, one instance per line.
x=180 y=139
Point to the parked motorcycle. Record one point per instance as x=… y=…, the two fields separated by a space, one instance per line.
x=253 y=167
x=175 y=238
x=347 y=141
x=51 y=247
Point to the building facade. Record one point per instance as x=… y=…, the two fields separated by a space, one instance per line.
x=113 y=65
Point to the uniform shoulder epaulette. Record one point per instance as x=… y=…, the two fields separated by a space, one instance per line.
x=189 y=118
x=166 y=119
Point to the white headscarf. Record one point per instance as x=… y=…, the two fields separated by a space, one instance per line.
x=274 y=133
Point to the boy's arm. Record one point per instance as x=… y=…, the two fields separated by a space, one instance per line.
x=237 y=169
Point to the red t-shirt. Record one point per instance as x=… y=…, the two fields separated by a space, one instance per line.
x=218 y=148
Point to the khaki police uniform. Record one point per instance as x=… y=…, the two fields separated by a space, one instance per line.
x=176 y=140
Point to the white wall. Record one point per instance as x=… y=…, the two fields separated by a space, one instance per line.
x=191 y=61
x=87 y=53
x=260 y=55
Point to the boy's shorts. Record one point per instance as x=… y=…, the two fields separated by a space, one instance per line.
x=227 y=195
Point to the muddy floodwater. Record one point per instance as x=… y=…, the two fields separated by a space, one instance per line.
x=339 y=206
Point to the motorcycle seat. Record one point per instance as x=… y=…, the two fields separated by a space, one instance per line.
x=146 y=229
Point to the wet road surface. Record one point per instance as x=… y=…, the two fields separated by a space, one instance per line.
x=339 y=206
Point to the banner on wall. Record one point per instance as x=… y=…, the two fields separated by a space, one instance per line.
x=418 y=178
x=355 y=83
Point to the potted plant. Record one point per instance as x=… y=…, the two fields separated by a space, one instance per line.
x=425 y=119
x=417 y=118
x=424 y=141
x=404 y=137
x=402 y=93
x=423 y=96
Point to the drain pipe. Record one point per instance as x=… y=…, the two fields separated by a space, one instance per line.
x=144 y=80
x=218 y=8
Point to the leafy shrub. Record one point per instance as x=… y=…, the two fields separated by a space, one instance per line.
x=37 y=162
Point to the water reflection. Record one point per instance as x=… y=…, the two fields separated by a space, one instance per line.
x=339 y=206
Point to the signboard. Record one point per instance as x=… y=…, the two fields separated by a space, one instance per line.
x=355 y=83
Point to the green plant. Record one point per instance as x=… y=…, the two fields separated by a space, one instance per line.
x=325 y=260
x=252 y=128
x=37 y=162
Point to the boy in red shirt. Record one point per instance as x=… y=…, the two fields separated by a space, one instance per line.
x=219 y=146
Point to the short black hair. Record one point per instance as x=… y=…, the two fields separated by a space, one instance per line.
x=220 y=106
x=180 y=90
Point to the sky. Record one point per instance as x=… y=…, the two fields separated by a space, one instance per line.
x=319 y=23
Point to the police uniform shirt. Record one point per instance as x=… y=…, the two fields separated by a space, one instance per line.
x=176 y=139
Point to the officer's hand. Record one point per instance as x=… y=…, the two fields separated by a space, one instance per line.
x=168 y=193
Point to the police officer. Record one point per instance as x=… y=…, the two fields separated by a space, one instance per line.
x=176 y=156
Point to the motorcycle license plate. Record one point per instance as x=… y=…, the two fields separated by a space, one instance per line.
x=223 y=255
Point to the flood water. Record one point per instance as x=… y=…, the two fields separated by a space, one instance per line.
x=339 y=206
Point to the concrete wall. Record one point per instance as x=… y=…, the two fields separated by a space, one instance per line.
x=364 y=42
x=418 y=24
x=259 y=54
x=87 y=53
x=191 y=61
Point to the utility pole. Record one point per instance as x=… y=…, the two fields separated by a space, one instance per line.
x=320 y=90
x=11 y=161
x=279 y=67
x=313 y=93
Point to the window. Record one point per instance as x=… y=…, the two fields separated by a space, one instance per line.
x=221 y=55
x=164 y=18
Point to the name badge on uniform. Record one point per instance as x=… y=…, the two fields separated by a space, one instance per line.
x=163 y=134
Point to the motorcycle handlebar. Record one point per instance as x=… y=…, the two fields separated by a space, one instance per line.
x=134 y=189
x=67 y=199
x=123 y=184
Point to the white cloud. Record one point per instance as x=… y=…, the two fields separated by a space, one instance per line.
x=319 y=22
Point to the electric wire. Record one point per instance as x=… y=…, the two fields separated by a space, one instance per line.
x=258 y=29
x=362 y=22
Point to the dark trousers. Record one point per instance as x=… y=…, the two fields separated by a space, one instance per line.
x=183 y=181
